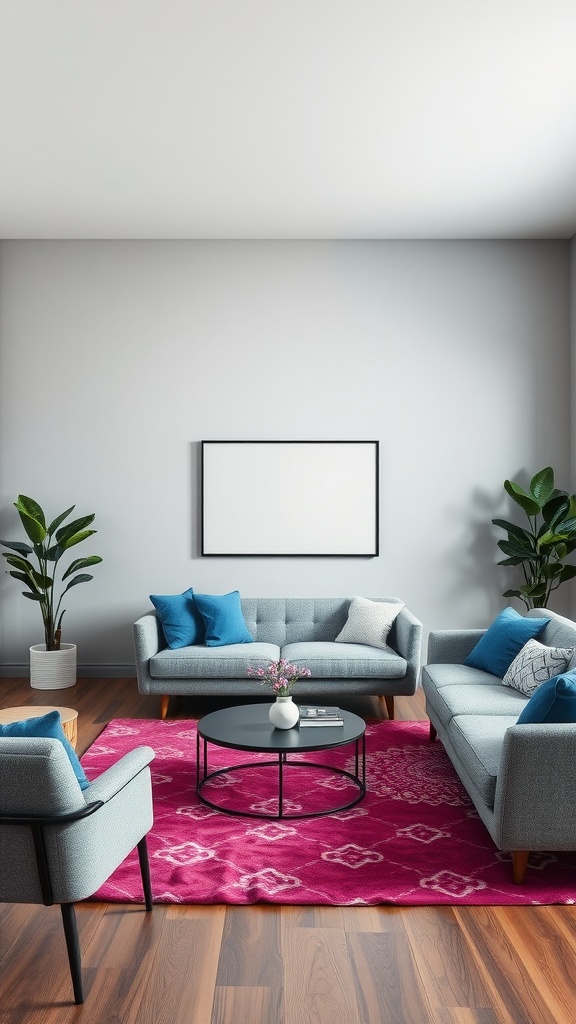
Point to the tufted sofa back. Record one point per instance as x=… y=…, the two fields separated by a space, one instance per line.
x=289 y=620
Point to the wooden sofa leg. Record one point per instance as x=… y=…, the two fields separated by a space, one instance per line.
x=389 y=701
x=519 y=862
x=433 y=733
x=164 y=701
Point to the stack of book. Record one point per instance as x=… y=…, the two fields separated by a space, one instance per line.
x=313 y=716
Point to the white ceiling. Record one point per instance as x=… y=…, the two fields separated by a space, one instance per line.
x=287 y=118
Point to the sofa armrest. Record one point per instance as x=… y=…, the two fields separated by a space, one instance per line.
x=147 y=643
x=408 y=643
x=535 y=801
x=451 y=646
x=118 y=775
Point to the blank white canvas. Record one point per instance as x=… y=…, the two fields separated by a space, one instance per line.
x=290 y=498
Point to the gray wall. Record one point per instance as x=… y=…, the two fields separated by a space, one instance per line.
x=117 y=358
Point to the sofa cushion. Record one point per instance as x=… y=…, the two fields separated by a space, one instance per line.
x=477 y=742
x=229 y=662
x=487 y=700
x=180 y=620
x=434 y=676
x=369 y=622
x=502 y=641
x=535 y=664
x=331 y=660
x=554 y=701
x=223 y=619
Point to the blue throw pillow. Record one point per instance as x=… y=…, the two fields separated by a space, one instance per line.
x=553 y=701
x=223 y=619
x=179 y=618
x=503 y=640
x=49 y=726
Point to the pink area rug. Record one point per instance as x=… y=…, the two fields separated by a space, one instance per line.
x=414 y=839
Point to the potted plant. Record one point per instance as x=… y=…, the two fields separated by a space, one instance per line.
x=52 y=664
x=541 y=549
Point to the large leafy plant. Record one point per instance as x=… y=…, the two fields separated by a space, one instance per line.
x=49 y=542
x=542 y=548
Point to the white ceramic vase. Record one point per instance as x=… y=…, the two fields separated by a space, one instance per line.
x=52 y=670
x=284 y=713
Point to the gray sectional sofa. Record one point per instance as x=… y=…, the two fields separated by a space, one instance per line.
x=302 y=630
x=521 y=778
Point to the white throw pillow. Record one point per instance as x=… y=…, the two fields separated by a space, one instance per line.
x=368 y=622
x=536 y=664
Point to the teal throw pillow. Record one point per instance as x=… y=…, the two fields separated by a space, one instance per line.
x=502 y=641
x=553 y=701
x=181 y=623
x=223 y=619
x=49 y=726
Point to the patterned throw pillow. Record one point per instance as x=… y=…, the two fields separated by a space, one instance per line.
x=536 y=664
x=369 y=622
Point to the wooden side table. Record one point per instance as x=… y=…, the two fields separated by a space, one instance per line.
x=69 y=717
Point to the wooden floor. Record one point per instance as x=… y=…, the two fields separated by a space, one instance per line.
x=279 y=965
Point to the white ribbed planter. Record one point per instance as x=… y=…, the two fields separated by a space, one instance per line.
x=52 y=670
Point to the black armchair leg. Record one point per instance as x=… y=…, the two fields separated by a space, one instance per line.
x=73 y=947
x=145 y=872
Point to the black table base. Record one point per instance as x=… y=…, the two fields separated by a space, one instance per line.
x=358 y=778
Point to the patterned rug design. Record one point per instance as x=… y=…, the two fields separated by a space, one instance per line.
x=414 y=839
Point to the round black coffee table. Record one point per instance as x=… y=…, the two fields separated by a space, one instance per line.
x=249 y=728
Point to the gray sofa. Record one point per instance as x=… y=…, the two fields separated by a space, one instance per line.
x=520 y=777
x=302 y=630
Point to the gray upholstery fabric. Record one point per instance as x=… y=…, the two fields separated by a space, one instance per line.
x=345 y=661
x=468 y=699
x=197 y=662
x=535 y=803
x=276 y=624
x=477 y=741
x=519 y=777
x=451 y=646
x=37 y=778
x=560 y=632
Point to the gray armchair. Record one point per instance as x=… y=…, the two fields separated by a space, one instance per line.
x=58 y=844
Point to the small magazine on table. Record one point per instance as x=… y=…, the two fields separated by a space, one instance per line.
x=311 y=716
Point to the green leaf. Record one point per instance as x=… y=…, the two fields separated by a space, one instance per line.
x=568 y=573
x=566 y=527
x=82 y=578
x=513 y=529
x=23 y=578
x=517 y=550
x=81 y=563
x=19 y=563
x=526 y=502
x=77 y=538
x=542 y=486
x=33 y=528
x=32 y=597
x=511 y=593
x=72 y=528
x=551 y=571
x=511 y=561
x=60 y=519
x=554 y=509
x=549 y=539
x=19 y=546
x=54 y=553
x=39 y=581
x=533 y=589
x=31 y=509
